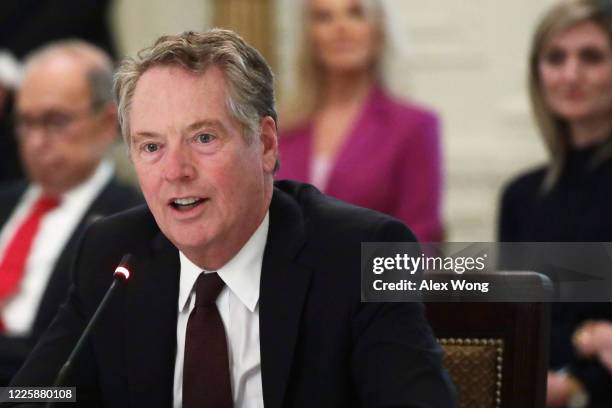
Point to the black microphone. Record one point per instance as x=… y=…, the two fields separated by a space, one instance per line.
x=121 y=274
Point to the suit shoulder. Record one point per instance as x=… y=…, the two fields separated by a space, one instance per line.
x=332 y=222
x=410 y=112
x=107 y=239
x=411 y=127
x=10 y=195
x=419 y=113
x=125 y=225
x=124 y=195
x=12 y=190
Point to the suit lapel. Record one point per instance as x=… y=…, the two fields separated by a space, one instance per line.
x=284 y=285
x=151 y=324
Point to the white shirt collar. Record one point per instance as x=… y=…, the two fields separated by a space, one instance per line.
x=241 y=274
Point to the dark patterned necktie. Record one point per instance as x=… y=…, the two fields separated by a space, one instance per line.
x=206 y=376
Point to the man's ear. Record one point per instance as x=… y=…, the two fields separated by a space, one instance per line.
x=269 y=142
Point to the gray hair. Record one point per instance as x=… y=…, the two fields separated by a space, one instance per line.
x=250 y=94
x=99 y=67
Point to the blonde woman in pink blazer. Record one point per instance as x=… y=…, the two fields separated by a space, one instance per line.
x=346 y=134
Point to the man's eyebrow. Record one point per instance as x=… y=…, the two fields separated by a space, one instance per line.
x=211 y=123
x=143 y=134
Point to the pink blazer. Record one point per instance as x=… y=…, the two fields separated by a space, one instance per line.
x=390 y=162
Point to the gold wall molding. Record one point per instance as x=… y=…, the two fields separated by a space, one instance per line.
x=254 y=20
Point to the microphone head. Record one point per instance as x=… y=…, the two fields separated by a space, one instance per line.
x=122 y=272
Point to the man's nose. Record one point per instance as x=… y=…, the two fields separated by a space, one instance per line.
x=36 y=138
x=179 y=164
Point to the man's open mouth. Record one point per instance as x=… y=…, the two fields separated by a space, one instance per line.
x=187 y=203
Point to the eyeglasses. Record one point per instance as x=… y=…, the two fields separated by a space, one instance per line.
x=52 y=123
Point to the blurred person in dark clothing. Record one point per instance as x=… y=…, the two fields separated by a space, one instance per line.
x=26 y=25
x=10 y=167
x=569 y=199
x=10 y=71
x=65 y=122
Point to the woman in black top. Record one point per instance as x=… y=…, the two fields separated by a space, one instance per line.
x=570 y=198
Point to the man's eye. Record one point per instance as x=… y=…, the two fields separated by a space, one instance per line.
x=150 y=147
x=204 y=138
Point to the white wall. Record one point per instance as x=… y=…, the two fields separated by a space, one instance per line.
x=140 y=22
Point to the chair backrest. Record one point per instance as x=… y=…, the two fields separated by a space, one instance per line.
x=496 y=353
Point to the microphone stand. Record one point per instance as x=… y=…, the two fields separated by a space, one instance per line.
x=121 y=274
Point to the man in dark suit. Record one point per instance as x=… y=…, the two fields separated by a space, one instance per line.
x=243 y=293
x=66 y=120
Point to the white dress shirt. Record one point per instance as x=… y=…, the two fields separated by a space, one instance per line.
x=54 y=231
x=238 y=305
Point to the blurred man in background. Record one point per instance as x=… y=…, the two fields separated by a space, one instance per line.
x=26 y=25
x=65 y=122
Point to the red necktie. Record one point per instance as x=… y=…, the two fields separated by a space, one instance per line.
x=18 y=249
x=206 y=377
